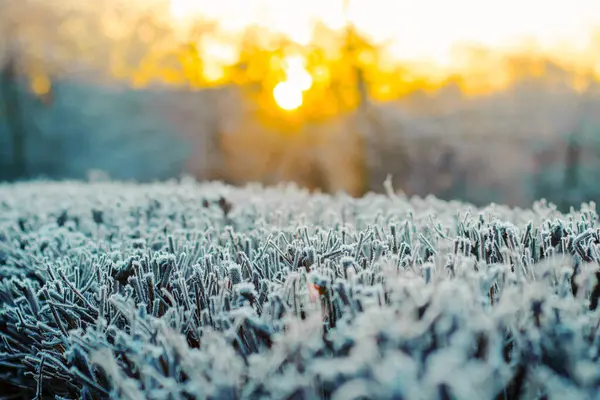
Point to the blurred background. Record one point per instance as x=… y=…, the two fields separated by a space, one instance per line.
x=484 y=101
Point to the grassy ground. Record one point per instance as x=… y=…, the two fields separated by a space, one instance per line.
x=186 y=290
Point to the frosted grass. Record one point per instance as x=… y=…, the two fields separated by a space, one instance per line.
x=186 y=290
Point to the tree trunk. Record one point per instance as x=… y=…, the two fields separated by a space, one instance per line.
x=14 y=121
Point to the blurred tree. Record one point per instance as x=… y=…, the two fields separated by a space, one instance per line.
x=143 y=45
x=383 y=151
x=90 y=43
x=25 y=73
x=344 y=68
x=568 y=167
x=17 y=169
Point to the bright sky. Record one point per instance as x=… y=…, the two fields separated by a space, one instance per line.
x=417 y=29
x=423 y=31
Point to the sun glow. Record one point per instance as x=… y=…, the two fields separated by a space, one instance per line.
x=431 y=39
x=288 y=94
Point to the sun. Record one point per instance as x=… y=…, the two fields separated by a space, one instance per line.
x=288 y=94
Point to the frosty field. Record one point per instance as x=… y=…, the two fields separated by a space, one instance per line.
x=206 y=291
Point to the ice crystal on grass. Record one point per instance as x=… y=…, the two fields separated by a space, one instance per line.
x=186 y=290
